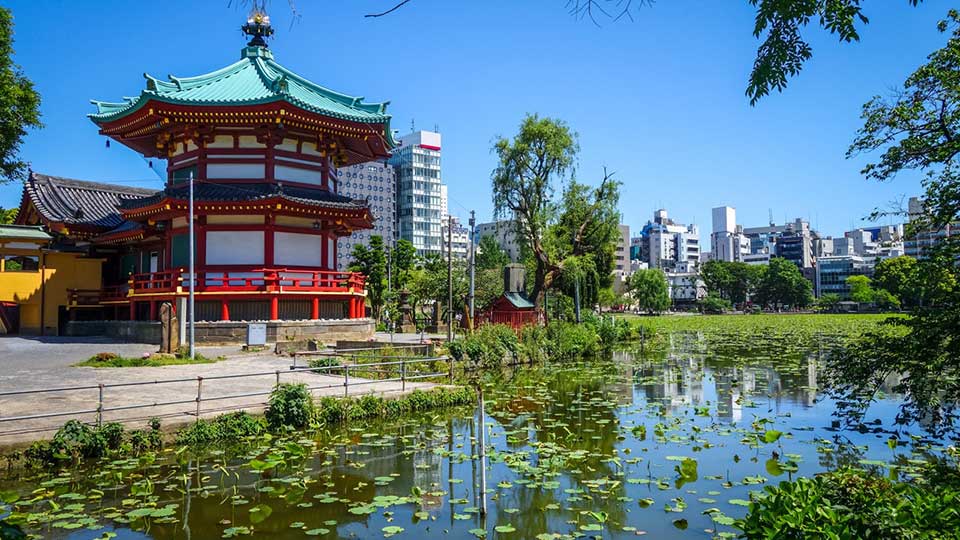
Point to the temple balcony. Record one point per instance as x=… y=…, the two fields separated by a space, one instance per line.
x=239 y=293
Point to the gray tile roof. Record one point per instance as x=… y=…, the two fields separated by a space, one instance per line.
x=78 y=202
x=203 y=191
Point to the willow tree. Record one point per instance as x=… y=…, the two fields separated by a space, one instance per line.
x=571 y=238
x=530 y=165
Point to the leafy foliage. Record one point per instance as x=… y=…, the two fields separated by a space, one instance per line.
x=490 y=256
x=649 y=290
x=570 y=241
x=854 y=504
x=231 y=427
x=372 y=262
x=714 y=304
x=781 y=283
x=76 y=441
x=8 y=216
x=19 y=105
x=290 y=407
x=733 y=281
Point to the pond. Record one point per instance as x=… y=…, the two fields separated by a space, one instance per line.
x=668 y=440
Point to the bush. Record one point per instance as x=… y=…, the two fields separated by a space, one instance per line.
x=487 y=346
x=713 y=304
x=324 y=362
x=290 y=407
x=231 y=427
x=850 y=503
x=332 y=410
x=76 y=440
x=566 y=341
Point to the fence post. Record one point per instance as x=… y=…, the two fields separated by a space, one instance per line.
x=403 y=375
x=100 y=407
x=346 y=380
x=450 y=360
x=278 y=378
x=199 y=394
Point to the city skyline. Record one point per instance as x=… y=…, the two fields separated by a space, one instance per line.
x=648 y=142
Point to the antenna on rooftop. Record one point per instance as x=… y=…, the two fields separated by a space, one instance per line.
x=770 y=219
x=436 y=128
x=413 y=126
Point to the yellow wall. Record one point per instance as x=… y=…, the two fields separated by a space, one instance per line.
x=63 y=271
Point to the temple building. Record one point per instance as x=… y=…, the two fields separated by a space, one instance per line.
x=262 y=147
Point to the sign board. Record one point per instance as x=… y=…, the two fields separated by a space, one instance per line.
x=257 y=334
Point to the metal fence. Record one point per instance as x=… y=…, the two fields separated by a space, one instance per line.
x=399 y=365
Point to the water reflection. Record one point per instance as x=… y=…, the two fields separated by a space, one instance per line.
x=564 y=441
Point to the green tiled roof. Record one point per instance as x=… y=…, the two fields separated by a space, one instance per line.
x=518 y=300
x=23 y=232
x=254 y=80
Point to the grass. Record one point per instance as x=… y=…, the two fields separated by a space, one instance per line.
x=110 y=360
x=827 y=323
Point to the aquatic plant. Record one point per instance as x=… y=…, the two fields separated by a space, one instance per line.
x=290 y=407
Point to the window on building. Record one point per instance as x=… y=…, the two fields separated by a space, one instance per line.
x=21 y=263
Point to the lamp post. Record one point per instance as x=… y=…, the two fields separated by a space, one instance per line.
x=449 y=279
x=473 y=264
x=193 y=276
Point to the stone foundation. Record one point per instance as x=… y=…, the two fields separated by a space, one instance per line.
x=231 y=332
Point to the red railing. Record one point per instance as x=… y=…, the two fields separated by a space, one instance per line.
x=249 y=280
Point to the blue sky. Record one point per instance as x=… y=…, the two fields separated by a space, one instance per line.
x=658 y=100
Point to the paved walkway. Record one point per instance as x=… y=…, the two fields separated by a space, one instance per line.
x=51 y=368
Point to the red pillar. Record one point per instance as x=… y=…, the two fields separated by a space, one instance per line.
x=224 y=310
x=153 y=310
x=274 y=308
x=133 y=310
x=351 y=308
x=315 y=308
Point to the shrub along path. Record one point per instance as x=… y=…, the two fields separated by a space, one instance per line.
x=15 y=433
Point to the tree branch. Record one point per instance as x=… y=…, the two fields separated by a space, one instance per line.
x=389 y=11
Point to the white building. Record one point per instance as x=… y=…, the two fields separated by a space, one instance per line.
x=375 y=182
x=668 y=245
x=685 y=288
x=727 y=241
x=460 y=240
x=419 y=191
x=505 y=233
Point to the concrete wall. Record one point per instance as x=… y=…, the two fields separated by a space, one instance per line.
x=230 y=332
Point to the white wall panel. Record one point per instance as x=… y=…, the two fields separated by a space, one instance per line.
x=235 y=170
x=292 y=174
x=295 y=249
x=234 y=247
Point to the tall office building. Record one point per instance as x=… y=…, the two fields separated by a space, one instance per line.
x=668 y=245
x=374 y=182
x=727 y=241
x=419 y=192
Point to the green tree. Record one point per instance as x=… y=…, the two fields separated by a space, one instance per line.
x=898 y=276
x=781 y=283
x=713 y=304
x=828 y=302
x=860 y=289
x=8 y=216
x=19 y=105
x=649 y=290
x=403 y=258
x=541 y=154
x=490 y=255
x=570 y=240
x=372 y=262
x=915 y=129
x=733 y=281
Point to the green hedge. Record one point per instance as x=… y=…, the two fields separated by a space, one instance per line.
x=852 y=503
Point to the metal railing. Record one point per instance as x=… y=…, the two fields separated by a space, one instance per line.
x=199 y=399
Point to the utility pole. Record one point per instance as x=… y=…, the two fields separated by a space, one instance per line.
x=576 y=297
x=193 y=275
x=473 y=266
x=449 y=279
x=389 y=276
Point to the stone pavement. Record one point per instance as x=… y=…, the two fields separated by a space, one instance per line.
x=121 y=404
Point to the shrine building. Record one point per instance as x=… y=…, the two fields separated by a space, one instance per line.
x=262 y=146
